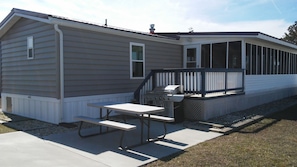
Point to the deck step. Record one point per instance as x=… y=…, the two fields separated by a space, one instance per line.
x=215 y=125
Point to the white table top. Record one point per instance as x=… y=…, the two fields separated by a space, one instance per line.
x=134 y=108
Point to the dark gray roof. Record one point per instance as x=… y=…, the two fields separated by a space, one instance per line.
x=171 y=36
x=229 y=34
x=46 y=16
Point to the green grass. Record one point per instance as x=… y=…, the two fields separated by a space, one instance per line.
x=5 y=129
x=270 y=142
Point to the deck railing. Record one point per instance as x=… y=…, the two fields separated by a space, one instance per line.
x=200 y=81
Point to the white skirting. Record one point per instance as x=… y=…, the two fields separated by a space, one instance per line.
x=40 y=108
x=48 y=109
x=78 y=105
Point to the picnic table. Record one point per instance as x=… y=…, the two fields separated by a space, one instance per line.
x=144 y=112
x=141 y=111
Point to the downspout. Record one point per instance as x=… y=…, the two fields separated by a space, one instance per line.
x=61 y=72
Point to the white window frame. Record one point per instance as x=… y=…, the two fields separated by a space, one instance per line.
x=30 y=47
x=131 y=60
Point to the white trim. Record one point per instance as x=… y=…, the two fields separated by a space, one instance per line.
x=276 y=41
x=14 y=18
x=32 y=18
x=131 y=60
x=8 y=24
x=243 y=55
x=197 y=47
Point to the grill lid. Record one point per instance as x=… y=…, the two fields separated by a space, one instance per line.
x=170 y=89
x=174 y=88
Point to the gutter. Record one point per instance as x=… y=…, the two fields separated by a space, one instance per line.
x=61 y=72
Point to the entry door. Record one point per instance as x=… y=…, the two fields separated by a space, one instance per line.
x=191 y=56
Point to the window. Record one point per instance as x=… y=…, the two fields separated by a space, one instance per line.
x=137 y=56
x=30 y=48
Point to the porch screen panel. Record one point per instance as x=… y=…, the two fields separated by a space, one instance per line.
x=280 y=55
x=234 y=55
x=254 y=60
x=264 y=60
x=205 y=55
x=219 y=55
x=259 y=60
x=248 y=57
x=269 y=66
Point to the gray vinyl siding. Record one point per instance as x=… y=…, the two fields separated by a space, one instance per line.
x=36 y=77
x=97 y=63
x=0 y=69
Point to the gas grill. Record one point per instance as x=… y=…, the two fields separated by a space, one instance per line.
x=170 y=97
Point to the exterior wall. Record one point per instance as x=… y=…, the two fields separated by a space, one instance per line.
x=35 y=77
x=74 y=106
x=0 y=69
x=98 y=64
x=41 y=108
x=260 y=83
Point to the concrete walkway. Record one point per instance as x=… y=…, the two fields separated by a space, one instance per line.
x=68 y=149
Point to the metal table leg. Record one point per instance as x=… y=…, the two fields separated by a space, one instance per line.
x=141 y=122
x=100 y=118
x=148 y=127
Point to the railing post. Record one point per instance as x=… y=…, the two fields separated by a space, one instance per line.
x=203 y=81
x=177 y=78
x=243 y=72
x=154 y=80
x=226 y=82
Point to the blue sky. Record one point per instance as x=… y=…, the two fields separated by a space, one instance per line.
x=268 y=16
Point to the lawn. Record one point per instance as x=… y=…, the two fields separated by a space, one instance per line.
x=270 y=142
x=5 y=129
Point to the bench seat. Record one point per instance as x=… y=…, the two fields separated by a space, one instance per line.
x=107 y=123
x=159 y=118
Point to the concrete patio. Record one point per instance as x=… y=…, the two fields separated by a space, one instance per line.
x=68 y=149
